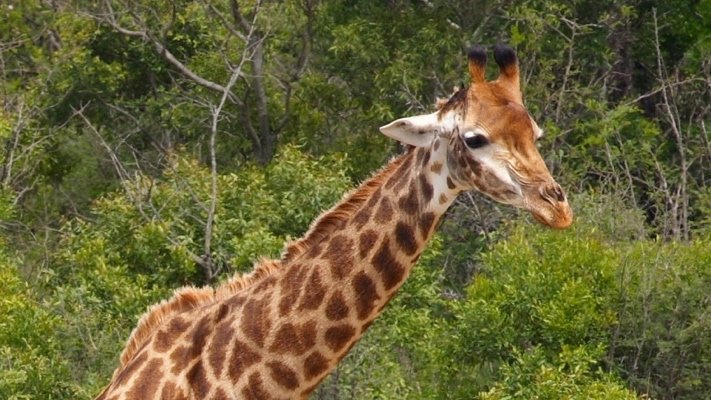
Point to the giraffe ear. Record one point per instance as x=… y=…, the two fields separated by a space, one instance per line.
x=417 y=131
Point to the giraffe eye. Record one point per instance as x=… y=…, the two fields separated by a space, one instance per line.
x=475 y=140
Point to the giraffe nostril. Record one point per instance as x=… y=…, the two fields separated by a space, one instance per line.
x=553 y=192
x=557 y=193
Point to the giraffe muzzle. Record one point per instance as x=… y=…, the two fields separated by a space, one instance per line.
x=551 y=208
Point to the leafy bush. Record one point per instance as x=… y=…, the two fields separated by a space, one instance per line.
x=31 y=363
x=662 y=344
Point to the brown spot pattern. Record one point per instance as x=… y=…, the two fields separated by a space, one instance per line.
x=362 y=217
x=222 y=312
x=290 y=288
x=197 y=379
x=426 y=188
x=338 y=336
x=242 y=358
x=340 y=256
x=426 y=157
x=131 y=368
x=165 y=338
x=307 y=334
x=436 y=167
x=265 y=284
x=236 y=301
x=443 y=198
x=391 y=271
x=180 y=357
x=283 y=375
x=426 y=222
x=400 y=172
x=255 y=388
x=286 y=340
x=402 y=183
x=255 y=321
x=405 y=238
x=314 y=291
x=146 y=385
x=294 y=339
x=219 y=346
x=314 y=251
x=220 y=395
x=314 y=365
x=336 y=309
x=366 y=242
x=409 y=202
x=450 y=183
x=170 y=391
x=385 y=211
x=420 y=153
x=366 y=294
x=199 y=335
x=473 y=165
x=374 y=198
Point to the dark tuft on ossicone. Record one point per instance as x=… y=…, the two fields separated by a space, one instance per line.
x=504 y=55
x=477 y=54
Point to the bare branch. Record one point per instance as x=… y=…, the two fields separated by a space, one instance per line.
x=6 y=171
x=665 y=85
x=230 y=27
x=239 y=18
x=236 y=73
x=147 y=37
x=680 y=221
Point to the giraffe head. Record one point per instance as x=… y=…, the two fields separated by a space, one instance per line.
x=490 y=141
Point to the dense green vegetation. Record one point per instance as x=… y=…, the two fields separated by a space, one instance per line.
x=147 y=145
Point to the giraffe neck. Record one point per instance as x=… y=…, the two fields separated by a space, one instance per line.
x=335 y=288
x=280 y=332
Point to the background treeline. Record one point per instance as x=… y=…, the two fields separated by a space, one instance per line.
x=145 y=145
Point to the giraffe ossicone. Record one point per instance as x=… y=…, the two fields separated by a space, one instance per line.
x=276 y=333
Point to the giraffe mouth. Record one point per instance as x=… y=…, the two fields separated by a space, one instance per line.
x=558 y=216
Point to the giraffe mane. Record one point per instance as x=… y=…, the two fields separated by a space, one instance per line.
x=332 y=219
x=188 y=298
x=458 y=100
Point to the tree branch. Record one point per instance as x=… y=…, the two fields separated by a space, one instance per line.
x=208 y=266
x=680 y=221
x=147 y=37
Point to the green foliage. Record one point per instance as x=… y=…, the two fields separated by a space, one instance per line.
x=31 y=363
x=7 y=210
x=540 y=291
x=571 y=375
x=662 y=341
x=154 y=225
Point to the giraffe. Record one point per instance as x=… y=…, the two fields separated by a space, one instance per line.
x=277 y=332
